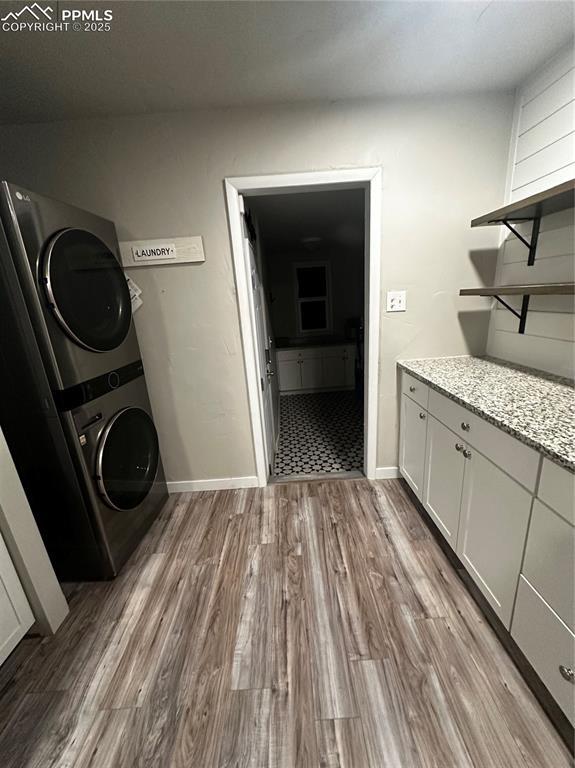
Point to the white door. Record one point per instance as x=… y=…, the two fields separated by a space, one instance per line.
x=412 y=443
x=494 y=516
x=262 y=342
x=15 y=614
x=443 y=482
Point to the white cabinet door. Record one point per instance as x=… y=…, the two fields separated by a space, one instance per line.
x=412 y=443
x=334 y=369
x=289 y=372
x=443 y=482
x=15 y=615
x=349 y=378
x=494 y=516
x=311 y=373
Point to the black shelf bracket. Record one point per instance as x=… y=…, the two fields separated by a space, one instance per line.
x=522 y=315
x=530 y=244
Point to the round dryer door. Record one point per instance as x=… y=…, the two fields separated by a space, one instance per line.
x=127 y=459
x=87 y=290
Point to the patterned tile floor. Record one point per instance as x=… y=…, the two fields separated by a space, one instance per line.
x=320 y=432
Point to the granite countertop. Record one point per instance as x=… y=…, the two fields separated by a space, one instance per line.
x=534 y=407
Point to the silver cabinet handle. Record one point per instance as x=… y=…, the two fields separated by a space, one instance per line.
x=467 y=454
x=459 y=447
x=567 y=673
x=422 y=415
x=412 y=388
x=465 y=426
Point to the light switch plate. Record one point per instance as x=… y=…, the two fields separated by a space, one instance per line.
x=396 y=301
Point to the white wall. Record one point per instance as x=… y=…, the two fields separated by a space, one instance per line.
x=443 y=160
x=542 y=154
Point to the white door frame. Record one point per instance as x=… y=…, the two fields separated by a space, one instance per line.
x=368 y=179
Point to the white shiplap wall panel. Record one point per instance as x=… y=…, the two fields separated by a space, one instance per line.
x=559 y=269
x=556 y=325
x=545 y=182
x=557 y=155
x=555 y=239
x=552 y=355
x=542 y=155
x=544 y=144
x=548 y=304
x=555 y=127
x=549 y=100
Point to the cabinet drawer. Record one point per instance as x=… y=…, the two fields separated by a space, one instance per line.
x=550 y=560
x=515 y=458
x=304 y=353
x=557 y=489
x=346 y=350
x=449 y=413
x=415 y=389
x=547 y=643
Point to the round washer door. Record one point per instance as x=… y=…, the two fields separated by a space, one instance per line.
x=127 y=459
x=87 y=290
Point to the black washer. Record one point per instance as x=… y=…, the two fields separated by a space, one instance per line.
x=127 y=459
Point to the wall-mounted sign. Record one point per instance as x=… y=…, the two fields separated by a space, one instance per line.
x=175 y=250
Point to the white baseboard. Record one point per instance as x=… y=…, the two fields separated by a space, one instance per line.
x=387 y=473
x=215 y=484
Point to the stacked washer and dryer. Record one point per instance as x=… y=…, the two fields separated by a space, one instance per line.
x=74 y=405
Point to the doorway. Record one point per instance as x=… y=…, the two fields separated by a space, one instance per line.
x=311 y=366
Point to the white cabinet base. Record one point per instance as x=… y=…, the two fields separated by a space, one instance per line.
x=494 y=516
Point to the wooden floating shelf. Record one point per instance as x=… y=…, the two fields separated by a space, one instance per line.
x=552 y=200
x=550 y=289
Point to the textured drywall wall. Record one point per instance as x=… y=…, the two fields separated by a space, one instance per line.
x=443 y=160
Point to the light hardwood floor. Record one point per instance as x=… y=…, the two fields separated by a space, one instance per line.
x=312 y=624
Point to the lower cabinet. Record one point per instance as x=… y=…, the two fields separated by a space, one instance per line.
x=311 y=373
x=309 y=368
x=548 y=644
x=413 y=435
x=289 y=374
x=443 y=481
x=492 y=530
x=514 y=536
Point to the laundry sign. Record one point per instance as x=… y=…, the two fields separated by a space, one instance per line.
x=175 y=250
x=154 y=252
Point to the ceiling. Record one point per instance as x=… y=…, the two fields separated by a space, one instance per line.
x=310 y=220
x=167 y=56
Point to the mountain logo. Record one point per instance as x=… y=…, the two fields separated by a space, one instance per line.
x=35 y=10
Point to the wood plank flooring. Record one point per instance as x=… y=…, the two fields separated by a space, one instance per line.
x=302 y=625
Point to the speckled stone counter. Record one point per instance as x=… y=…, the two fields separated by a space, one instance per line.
x=535 y=408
